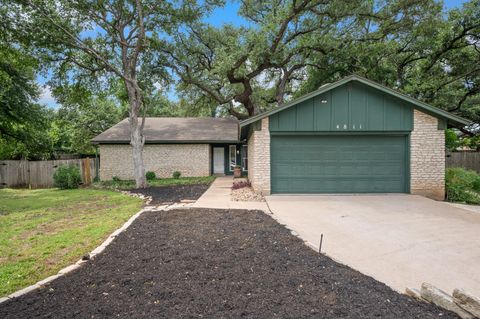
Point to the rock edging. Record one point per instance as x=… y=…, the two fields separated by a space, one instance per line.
x=465 y=305
x=146 y=199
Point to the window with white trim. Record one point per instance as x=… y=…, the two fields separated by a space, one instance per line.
x=245 y=157
x=232 y=156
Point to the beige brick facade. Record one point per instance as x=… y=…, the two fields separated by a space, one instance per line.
x=427 y=157
x=259 y=158
x=163 y=159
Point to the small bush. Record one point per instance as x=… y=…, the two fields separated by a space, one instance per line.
x=150 y=176
x=462 y=185
x=241 y=184
x=176 y=174
x=116 y=179
x=67 y=177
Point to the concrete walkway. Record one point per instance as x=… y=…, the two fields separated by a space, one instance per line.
x=218 y=196
x=401 y=240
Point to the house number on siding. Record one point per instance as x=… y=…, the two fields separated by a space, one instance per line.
x=359 y=126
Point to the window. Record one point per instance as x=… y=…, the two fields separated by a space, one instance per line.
x=245 y=157
x=232 y=156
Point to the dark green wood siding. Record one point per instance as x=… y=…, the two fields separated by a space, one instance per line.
x=339 y=163
x=349 y=108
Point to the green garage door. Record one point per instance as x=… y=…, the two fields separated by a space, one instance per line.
x=338 y=164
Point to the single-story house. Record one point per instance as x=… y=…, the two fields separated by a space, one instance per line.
x=351 y=136
x=192 y=146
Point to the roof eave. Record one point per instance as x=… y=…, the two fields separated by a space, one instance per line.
x=169 y=142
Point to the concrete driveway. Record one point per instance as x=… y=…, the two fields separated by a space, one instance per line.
x=401 y=240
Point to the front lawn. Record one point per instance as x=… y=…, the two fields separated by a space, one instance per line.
x=44 y=230
x=114 y=185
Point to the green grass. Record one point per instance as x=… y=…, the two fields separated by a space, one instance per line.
x=156 y=182
x=44 y=230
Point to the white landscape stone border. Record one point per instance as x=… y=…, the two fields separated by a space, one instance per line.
x=94 y=252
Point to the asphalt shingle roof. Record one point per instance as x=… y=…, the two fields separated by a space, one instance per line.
x=175 y=130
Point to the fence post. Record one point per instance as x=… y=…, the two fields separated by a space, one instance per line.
x=86 y=170
x=29 y=175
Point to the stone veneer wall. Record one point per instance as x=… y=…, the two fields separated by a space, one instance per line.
x=259 y=158
x=427 y=157
x=163 y=159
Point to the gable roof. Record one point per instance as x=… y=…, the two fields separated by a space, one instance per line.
x=434 y=111
x=175 y=130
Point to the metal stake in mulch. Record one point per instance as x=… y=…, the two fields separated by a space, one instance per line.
x=320 y=247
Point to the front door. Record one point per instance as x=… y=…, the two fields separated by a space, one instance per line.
x=218 y=160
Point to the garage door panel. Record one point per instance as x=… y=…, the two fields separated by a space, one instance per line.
x=304 y=186
x=338 y=164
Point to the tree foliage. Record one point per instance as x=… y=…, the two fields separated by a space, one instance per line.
x=245 y=69
x=114 y=59
x=104 y=41
x=293 y=47
x=22 y=121
x=419 y=50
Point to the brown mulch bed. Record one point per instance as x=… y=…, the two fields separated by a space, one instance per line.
x=203 y=263
x=172 y=194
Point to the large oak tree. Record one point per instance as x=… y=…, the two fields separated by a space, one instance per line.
x=246 y=68
x=289 y=47
x=105 y=39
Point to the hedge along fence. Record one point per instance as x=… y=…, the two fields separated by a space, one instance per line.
x=467 y=160
x=39 y=174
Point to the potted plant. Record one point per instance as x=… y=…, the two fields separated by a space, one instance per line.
x=237 y=171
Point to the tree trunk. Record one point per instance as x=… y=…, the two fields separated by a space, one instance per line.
x=137 y=140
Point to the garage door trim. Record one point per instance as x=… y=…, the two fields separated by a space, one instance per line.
x=405 y=134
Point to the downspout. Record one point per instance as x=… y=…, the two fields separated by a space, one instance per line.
x=97 y=164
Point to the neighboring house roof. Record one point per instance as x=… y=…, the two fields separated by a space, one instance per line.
x=175 y=130
x=451 y=118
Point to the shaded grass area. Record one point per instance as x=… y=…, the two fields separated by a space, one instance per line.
x=462 y=185
x=204 y=263
x=125 y=185
x=44 y=230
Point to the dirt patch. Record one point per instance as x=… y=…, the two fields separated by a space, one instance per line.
x=201 y=263
x=172 y=194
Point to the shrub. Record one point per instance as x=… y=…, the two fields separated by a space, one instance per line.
x=451 y=140
x=116 y=179
x=241 y=184
x=176 y=174
x=67 y=177
x=462 y=185
x=150 y=176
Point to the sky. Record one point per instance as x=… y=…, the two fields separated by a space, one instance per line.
x=227 y=14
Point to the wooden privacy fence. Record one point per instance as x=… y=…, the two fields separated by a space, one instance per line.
x=468 y=160
x=39 y=174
